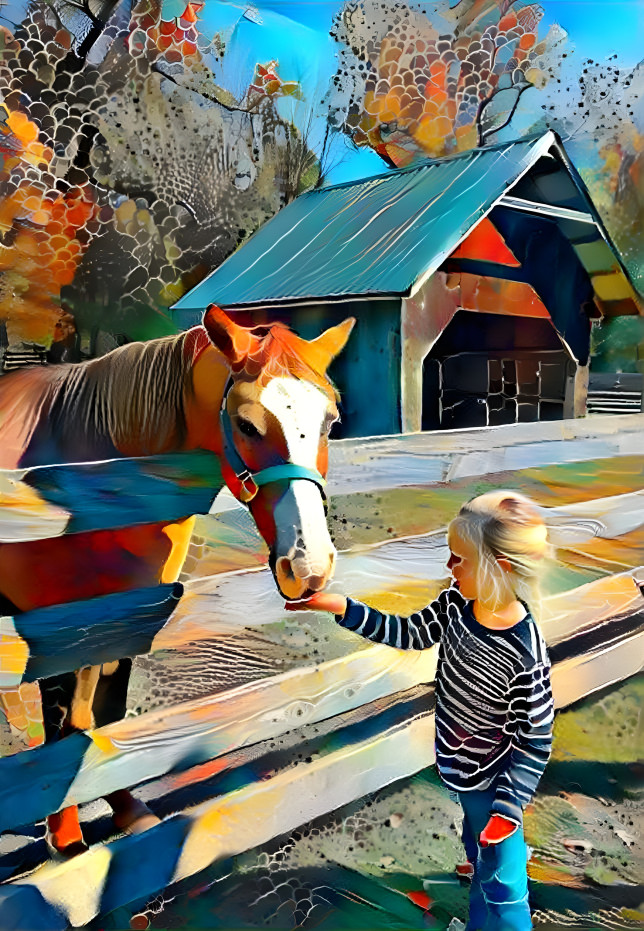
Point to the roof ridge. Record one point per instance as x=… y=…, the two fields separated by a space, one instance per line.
x=428 y=162
x=384 y=239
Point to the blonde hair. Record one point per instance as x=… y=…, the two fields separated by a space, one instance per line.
x=509 y=525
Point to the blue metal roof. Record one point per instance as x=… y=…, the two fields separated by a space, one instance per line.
x=374 y=237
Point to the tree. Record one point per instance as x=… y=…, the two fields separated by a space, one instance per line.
x=599 y=112
x=409 y=84
x=128 y=161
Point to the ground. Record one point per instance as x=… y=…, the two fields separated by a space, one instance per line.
x=366 y=866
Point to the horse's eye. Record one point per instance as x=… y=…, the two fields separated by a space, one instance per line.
x=247 y=428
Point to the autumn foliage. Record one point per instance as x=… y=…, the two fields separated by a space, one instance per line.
x=128 y=169
x=41 y=246
x=426 y=92
x=177 y=38
x=267 y=84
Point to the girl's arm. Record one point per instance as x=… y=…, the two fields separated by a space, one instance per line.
x=532 y=711
x=416 y=632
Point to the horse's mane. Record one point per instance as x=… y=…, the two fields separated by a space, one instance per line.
x=130 y=400
x=283 y=353
x=133 y=396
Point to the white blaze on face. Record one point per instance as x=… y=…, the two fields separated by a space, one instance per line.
x=300 y=409
x=303 y=547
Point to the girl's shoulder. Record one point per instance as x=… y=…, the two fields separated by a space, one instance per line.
x=452 y=596
x=529 y=641
x=451 y=604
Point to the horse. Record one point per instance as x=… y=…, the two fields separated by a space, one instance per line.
x=258 y=398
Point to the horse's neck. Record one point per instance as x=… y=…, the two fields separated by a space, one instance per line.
x=29 y=400
x=202 y=404
x=198 y=406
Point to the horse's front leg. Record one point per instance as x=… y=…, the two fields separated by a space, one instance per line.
x=81 y=718
x=67 y=705
x=129 y=813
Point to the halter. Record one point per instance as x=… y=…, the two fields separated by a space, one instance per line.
x=252 y=481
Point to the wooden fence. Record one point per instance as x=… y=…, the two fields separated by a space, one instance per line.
x=266 y=756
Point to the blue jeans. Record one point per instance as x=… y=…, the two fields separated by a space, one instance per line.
x=499 y=894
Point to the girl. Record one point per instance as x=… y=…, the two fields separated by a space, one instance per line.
x=494 y=709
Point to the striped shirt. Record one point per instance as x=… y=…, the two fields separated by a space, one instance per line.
x=494 y=709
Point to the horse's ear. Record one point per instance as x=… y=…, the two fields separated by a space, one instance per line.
x=330 y=343
x=235 y=342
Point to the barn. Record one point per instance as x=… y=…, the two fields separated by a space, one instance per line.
x=474 y=279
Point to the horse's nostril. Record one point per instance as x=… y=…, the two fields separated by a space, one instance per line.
x=284 y=569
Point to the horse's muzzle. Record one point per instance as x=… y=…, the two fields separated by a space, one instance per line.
x=296 y=585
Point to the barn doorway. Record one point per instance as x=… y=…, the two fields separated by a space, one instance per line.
x=493 y=369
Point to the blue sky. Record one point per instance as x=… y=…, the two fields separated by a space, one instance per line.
x=297 y=36
x=600 y=28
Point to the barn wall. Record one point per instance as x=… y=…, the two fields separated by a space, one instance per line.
x=429 y=313
x=549 y=263
x=424 y=316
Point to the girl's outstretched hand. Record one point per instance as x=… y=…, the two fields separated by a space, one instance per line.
x=496 y=830
x=321 y=601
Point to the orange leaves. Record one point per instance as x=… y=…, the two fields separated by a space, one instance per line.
x=431 y=134
x=57 y=250
x=20 y=142
x=438 y=72
x=22 y=128
x=507 y=22
x=78 y=213
x=43 y=253
x=176 y=39
x=267 y=83
x=189 y=15
x=425 y=90
x=8 y=210
x=410 y=94
x=434 y=94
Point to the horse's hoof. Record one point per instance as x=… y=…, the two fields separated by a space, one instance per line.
x=139 y=922
x=64 y=834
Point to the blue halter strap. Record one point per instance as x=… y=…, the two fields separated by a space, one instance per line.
x=252 y=481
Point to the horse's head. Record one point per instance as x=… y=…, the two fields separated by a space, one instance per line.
x=278 y=409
